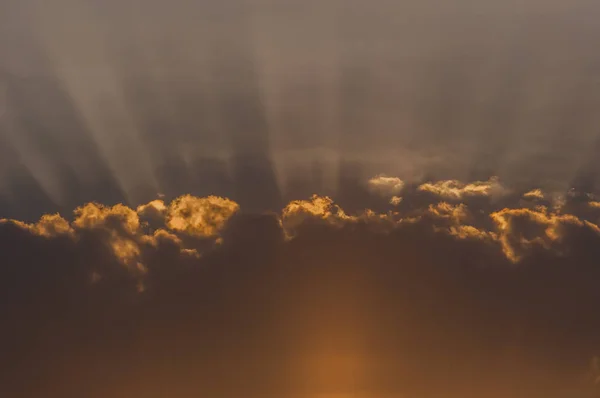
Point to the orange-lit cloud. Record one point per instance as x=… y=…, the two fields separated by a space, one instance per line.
x=456 y=213
x=453 y=270
x=203 y=217
x=534 y=194
x=49 y=225
x=121 y=230
x=522 y=229
x=395 y=200
x=155 y=211
x=128 y=232
x=386 y=186
x=456 y=190
x=321 y=208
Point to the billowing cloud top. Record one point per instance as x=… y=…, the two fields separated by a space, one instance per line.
x=195 y=296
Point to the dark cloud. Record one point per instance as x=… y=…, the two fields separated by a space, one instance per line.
x=194 y=297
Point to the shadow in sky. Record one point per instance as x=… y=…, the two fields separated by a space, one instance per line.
x=305 y=182
x=56 y=133
x=203 y=124
x=356 y=77
x=21 y=193
x=147 y=100
x=582 y=115
x=243 y=121
x=27 y=198
x=177 y=120
x=54 y=147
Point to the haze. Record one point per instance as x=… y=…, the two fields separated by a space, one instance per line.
x=121 y=101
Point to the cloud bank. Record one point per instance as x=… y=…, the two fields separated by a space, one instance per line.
x=461 y=289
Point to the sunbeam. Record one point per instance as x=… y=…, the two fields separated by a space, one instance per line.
x=178 y=96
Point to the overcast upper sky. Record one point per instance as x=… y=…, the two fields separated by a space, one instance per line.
x=121 y=101
x=316 y=199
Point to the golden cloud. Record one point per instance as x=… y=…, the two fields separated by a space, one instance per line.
x=520 y=229
x=49 y=226
x=534 y=194
x=94 y=215
x=516 y=230
x=456 y=190
x=457 y=213
x=120 y=229
x=161 y=235
x=453 y=220
x=395 y=200
x=386 y=186
x=154 y=211
x=53 y=225
x=317 y=208
x=471 y=232
x=201 y=217
x=594 y=204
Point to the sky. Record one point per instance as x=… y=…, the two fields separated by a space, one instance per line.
x=332 y=199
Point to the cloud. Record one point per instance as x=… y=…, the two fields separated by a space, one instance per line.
x=99 y=301
x=317 y=209
x=386 y=186
x=522 y=229
x=120 y=230
x=202 y=217
x=594 y=204
x=534 y=194
x=457 y=190
x=471 y=232
x=118 y=227
x=456 y=221
x=395 y=200
x=116 y=218
x=127 y=231
x=154 y=211
x=456 y=213
x=49 y=225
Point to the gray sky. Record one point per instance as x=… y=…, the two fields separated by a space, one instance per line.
x=265 y=101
